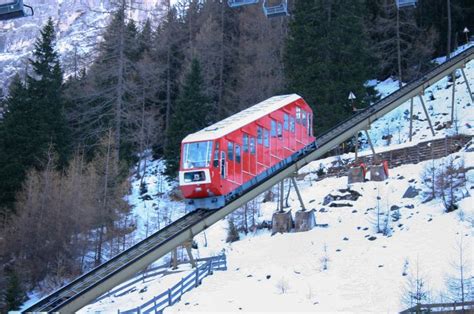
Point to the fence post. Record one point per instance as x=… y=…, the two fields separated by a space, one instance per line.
x=154 y=303
x=138 y=309
x=169 y=297
x=209 y=271
x=197 y=276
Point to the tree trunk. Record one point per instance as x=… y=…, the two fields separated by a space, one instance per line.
x=448 y=48
x=220 y=111
x=120 y=87
x=399 y=57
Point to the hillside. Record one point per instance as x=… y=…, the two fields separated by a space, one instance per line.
x=79 y=26
x=366 y=270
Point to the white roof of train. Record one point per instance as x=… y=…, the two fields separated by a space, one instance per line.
x=241 y=118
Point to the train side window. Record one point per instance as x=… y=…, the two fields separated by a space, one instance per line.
x=216 y=155
x=303 y=118
x=237 y=153
x=259 y=135
x=292 y=124
x=230 y=151
x=246 y=143
x=252 y=145
x=285 y=121
x=279 y=130
x=298 y=114
x=273 y=132
x=266 y=140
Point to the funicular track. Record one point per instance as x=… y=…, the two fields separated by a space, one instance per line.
x=101 y=279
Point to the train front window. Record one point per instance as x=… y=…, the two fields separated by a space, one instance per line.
x=197 y=155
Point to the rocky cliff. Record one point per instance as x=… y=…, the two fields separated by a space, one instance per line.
x=79 y=24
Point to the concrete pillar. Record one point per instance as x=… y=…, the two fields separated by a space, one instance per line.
x=377 y=173
x=282 y=222
x=356 y=174
x=304 y=220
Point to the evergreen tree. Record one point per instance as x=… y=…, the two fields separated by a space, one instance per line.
x=17 y=147
x=34 y=119
x=190 y=115
x=327 y=56
x=14 y=294
x=168 y=51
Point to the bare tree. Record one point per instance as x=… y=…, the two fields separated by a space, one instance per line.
x=416 y=290
x=458 y=282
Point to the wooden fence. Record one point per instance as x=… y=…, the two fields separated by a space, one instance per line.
x=171 y=296
x=148 y=273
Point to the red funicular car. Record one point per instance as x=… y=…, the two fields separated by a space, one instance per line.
x=230 y=153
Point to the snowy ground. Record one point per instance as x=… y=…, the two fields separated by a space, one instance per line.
x=284 y=272
x=362 y=275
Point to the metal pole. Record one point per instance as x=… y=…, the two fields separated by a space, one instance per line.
x=467 y=84
x=371 y=145
x=298 y=193
x=356 y=146
x=282 y=192
x=190 y=253
x=399 y=55
x=426 y=114
x=453 y=97
x=411 y=119
x=174 y=256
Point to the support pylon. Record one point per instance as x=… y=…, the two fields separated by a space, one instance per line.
x=467 y=84
x=426 y=114
x=453 y=97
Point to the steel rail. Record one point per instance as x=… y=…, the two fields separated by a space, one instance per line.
x=125 y=265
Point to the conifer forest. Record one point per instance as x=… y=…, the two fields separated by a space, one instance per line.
x=72 y=135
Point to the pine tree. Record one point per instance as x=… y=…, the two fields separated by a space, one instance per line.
x=190 y=115
x=45 y=87
x=327 y=56
x=34 y=118
x=16 y=145
x=14 y=294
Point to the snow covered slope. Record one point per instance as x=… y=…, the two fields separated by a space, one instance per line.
x=366 y=271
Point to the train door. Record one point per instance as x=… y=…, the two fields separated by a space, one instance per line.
x=292 y=134
x=238 y=164
x=280 y=144
x=245 y=154
x=310 y=125
x=230 y=161
x=273 y=141
x=286 y=133
x=298 y=127
x=260 y=154
x=223 y=165
x=304 y=129
x=252 y=156
x=266 y=147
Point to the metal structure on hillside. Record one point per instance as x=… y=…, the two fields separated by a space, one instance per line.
x=12 y=9
x=125 y=265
